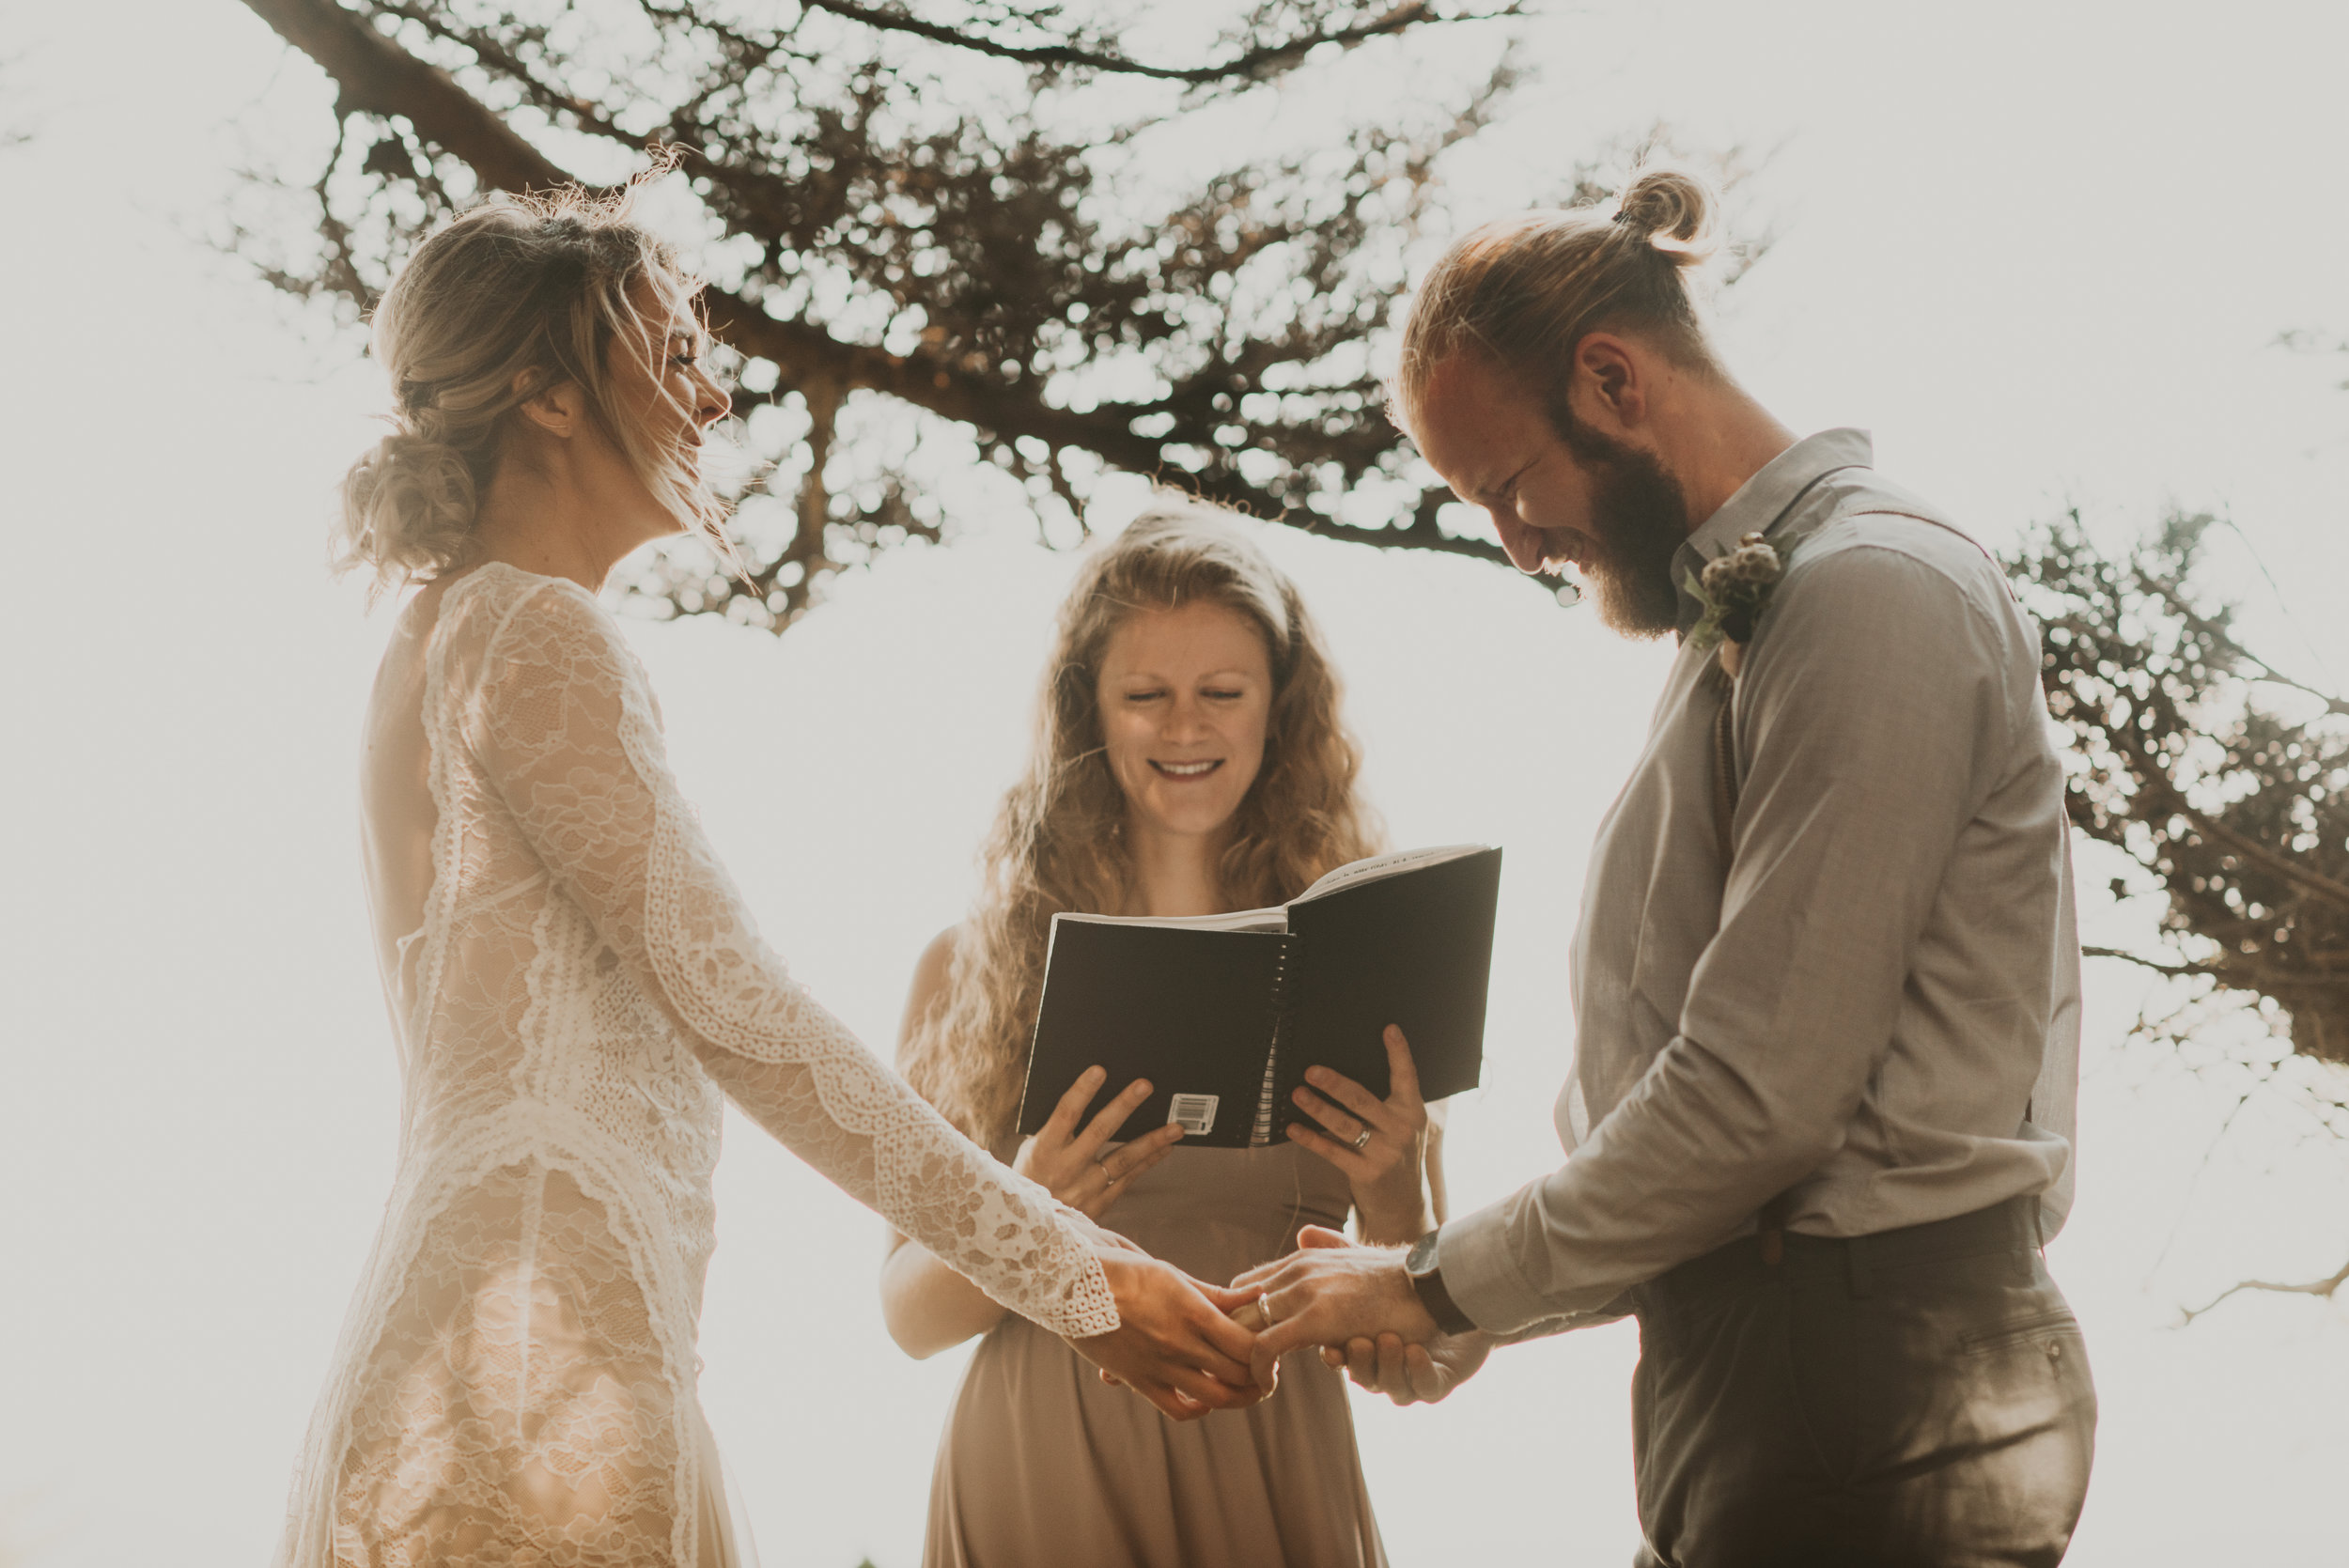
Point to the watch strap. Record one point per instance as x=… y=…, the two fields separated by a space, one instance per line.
x=1426 y=1277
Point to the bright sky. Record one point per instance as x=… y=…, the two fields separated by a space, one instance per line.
x=2043 y=252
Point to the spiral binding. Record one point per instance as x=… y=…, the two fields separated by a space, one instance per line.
x=1268 y=1097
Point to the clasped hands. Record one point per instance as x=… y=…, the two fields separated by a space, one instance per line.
x=1358 y=1305
x=1188 y=1347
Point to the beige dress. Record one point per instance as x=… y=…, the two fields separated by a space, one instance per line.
x=1043 y=1466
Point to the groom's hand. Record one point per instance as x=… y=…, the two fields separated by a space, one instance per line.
x=1329 y=1291
x=1176 y=1346
x=1412 y=1374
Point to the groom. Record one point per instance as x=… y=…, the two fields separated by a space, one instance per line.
x=1826 y=979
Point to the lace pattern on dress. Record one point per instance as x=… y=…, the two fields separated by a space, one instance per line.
x=567 y=728
x=515 y=1379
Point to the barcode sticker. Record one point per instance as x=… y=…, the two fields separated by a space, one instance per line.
x=1196 y=1113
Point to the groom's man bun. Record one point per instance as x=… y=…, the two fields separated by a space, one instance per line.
x=1674 y=211
x=1525 y=290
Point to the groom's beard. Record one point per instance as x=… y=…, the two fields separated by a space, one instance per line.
x=1639 y=520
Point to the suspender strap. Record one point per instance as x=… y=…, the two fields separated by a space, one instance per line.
x=1724 y=774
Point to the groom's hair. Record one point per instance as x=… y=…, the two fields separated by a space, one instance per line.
x=1526 y=291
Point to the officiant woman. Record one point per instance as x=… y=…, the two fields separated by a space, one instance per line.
x=1189 y=759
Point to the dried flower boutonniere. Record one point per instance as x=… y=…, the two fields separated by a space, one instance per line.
x=1732 y=589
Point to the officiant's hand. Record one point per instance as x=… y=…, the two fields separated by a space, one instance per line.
x=1175 y=1344
x=1412 y=1374
x=1381 y=1145
x=1330 y=1291
x=1070 y=1164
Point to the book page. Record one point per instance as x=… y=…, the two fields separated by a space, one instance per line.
x=1275 y=920
x=1380 y=866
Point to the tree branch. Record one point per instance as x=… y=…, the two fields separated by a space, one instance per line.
x=1250 y=63
x=375 y=75
x=2268 y=860
x=504 y=62
x=2158 y=781
x=2167 y=593
x=2324 y=1287
x=2174 y=970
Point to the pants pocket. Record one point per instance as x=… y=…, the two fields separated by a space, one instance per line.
x=2039 y=1325
x=1956 y=1413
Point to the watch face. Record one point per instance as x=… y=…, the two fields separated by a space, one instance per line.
x=1422 y=1257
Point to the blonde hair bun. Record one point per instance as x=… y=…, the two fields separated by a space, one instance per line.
x=1674 y=211
x=408 y=507
x=511 y=297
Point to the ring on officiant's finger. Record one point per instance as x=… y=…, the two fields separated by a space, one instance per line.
x=1362 y=1140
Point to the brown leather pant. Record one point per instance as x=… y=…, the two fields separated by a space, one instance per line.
x=1919 y=1397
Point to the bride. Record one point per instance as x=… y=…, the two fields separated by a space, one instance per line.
x=573 y=981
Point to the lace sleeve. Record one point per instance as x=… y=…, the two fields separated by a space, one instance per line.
x=565 y=728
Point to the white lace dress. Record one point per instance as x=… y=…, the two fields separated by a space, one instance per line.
x=574 y=982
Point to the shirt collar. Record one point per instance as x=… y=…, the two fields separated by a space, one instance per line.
x=1763 y=502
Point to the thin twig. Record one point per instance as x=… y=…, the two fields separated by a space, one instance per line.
x=2324 y=1287
x=1257 y=62
x=2285 y=605
x=2175 y=971
x=2202 y=1168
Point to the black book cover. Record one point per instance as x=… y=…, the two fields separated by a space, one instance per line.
x=1414 y=949
x=1193 y=1011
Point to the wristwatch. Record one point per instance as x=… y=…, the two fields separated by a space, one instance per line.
x=1427 y=1284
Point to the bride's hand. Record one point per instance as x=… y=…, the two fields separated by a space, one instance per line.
x=1071 y=1164
x=1175 y=1344
x=1386 y=1169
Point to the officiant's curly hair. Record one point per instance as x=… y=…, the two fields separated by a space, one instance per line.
x=508 y=299
x=1059 y=841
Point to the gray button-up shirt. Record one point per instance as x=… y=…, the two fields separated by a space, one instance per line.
x=1876 y=1002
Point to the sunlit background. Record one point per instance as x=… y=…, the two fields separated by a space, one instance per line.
x=2044 y=252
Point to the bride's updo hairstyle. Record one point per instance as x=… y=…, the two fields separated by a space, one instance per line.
x=512 y=297
x=1525 y=290
x=1059 y=838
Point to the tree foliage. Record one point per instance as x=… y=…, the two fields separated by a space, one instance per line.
x=2223 y=779
x=988 y=214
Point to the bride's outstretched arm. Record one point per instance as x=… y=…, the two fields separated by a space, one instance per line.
x=927 y=1306
x=565 y=728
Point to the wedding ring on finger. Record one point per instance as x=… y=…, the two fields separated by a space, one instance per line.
x=1362 y=1140
x=1256 y=1315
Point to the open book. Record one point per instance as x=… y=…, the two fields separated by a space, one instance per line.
x=1223 y=1012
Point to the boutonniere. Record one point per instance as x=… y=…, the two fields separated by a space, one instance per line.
x=1732 y=589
